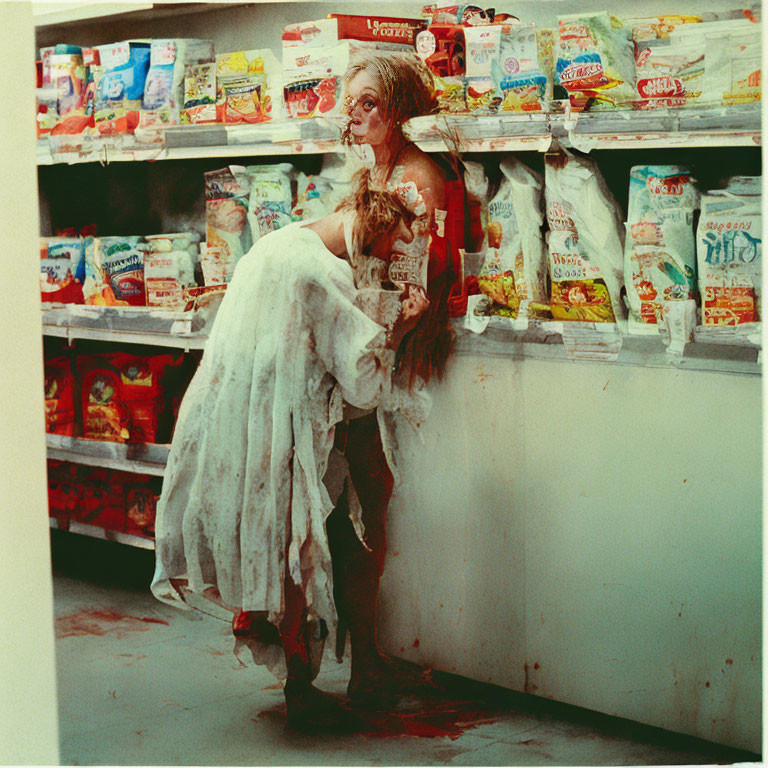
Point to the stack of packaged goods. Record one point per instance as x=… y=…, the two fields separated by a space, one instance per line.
x=126 y=398
x=660 y=247
x=248 y=87
x=673 y=60
x=62 y=269
x=729 y=253
x=109 y=499
x=169 y=269
x=585 y=241
x=514 y=269
x=59 y=396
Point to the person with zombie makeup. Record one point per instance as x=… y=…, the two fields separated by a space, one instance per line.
x=241 y=520
x=381 y=91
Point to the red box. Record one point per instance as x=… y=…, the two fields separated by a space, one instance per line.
x=378 y=29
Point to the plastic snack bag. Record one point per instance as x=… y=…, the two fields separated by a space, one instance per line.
x=249 y=86
x=515 y=265
x=59 y=397
x=271 y=199
x=441 y=47
x=379 y=32
x=62 y=269
x=164 y=87
x=105 y=414
x=228 y=236
x=199 y=94
x=313 y=198
x=660 y=246
x=321 y=33
x=312 y=79
x=595 y=59
x=585 y=241
x=729 y=253
x=121 y=86
x=169 y=269
x=519 y=79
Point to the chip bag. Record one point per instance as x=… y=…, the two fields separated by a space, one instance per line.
x=514 y=269
x=660 y=247
x=120 y=89
x=595 y=59
x=729 y=253
x=585 y=241
x=270 y=199
x=59 y=397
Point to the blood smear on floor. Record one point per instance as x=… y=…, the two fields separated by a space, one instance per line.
x=100 y=623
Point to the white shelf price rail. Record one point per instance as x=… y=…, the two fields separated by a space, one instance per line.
x=142 y=458
x=137 y=325
x=94 y=531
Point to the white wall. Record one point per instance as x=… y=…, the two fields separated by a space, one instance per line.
x=28 y=718
x=589 y=533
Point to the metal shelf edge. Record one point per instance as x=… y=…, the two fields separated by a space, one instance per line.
x=96 y=532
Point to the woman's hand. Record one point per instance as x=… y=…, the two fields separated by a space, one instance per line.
x=414 y=303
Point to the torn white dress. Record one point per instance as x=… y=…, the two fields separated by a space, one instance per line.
x=251 y=445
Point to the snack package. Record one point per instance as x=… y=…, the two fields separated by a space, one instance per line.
x=121 y=87
x=68 y=76
x=59 y=397
x=660 y=246
x=669 y=74
x=169 y=269
x=122 y=267
x=379 y=32
x=648 y=28
x=64 y=490
x=62 y=269
x=595 y=59
x=270 y=200
x=441 y=47
x=729 y=253
x=101 y=501
x=227 y=233
x=515 y=265
x=477 y=187
x=322 y=33
x=518 y=78
x=47 y=109
x=97 y=289
x=163 y=96
x=142 y=391
x=313 y=198
x=732 y=63
x=482 y=50
x=312 y=79
x=105 y=414
x=199 y=94
x=467 y=14
x=140 y=495
x=585 y=241
x=248 y=86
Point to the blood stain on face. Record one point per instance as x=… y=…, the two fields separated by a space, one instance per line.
x=368 y=124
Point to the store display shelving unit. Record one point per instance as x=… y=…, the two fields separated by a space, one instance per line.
x=517 y=430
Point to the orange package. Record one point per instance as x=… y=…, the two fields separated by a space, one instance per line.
x=59 y=397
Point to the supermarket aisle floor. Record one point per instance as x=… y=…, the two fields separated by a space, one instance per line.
x=141 y=683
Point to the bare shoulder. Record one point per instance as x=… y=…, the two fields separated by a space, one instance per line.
x=425 y=173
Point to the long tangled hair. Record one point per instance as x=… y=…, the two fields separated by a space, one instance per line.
x=376 y=212
x=405 y=85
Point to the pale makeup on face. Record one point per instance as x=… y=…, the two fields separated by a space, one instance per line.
x=363 y=107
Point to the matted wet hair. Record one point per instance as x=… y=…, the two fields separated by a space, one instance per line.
x=406 y=87
x=378 y=211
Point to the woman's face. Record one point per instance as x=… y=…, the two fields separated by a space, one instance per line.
x=362 y=104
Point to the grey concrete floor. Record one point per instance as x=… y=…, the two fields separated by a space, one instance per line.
x=141 y=683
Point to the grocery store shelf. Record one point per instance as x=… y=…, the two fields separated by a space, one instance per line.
x=143 y=458
x=620 y=129
x=47 y=14
x=94 y=531
x=730 y=350
x=135 y=325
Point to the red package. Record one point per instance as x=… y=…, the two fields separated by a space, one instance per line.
x=140 y=495
x=105 y=415
x=64 y=492
x=142 y=391
x=442 y=49
x=59 y=397
x=378 y=29
x=100 y=505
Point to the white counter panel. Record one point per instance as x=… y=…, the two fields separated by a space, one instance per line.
x=590 y=533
